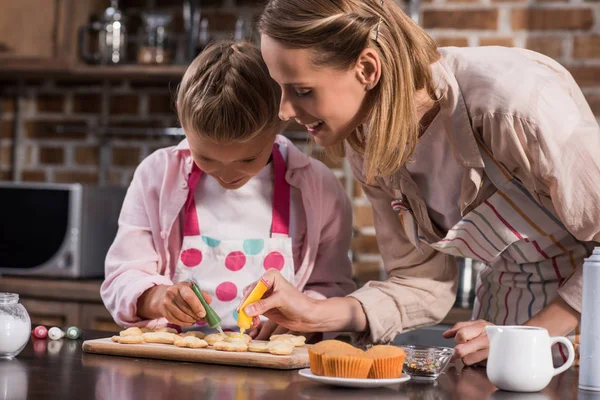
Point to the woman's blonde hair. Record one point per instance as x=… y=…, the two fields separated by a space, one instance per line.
x=337 y=31
x=226 y=94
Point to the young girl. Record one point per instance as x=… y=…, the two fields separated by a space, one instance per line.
x=230 y=201
x=489 y=153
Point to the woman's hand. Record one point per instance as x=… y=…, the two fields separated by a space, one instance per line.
x=283 y=304
x=177 y=303
x=472 y=343
x=286 y=306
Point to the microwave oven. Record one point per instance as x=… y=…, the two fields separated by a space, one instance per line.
x=57 y=230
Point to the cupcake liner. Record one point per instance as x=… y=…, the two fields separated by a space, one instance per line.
x=341 y=366
x=316 y=362
x=387 y=368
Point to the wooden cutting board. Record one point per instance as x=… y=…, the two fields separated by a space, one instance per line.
x=298 y=359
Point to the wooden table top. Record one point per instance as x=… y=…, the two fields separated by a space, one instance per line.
x=60 y=370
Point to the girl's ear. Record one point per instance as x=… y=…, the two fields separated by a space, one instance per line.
x=368 y=68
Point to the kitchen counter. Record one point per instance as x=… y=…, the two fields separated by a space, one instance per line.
x=60 y=370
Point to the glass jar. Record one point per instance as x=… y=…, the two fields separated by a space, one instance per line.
x=155 y=47
x=15 y=325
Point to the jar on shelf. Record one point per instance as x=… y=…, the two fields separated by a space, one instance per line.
x=155 y=47
x=15 y=326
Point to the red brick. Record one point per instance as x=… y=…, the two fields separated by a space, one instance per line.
x=114 y=177
x=161 y=104
x=586 y=76
x=481 y=19
x=43 y=129
x=87 y=103
x=125 y=156
x=76 y=177
x=550 y=46
x=586 y=46
x=544 y=19
x=363 y=216
x=33 y=175
x=594 y=102
x=8 y=104
x=220 y=21
x=128 y=104
x=366 y=244
x=87 y=155
x=6 y=155
x=51 y=103
x=496 y=41
x=452 y=41
x=6 y=129
x=52 y=155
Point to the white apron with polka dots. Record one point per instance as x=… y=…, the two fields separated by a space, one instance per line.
x=223 y=268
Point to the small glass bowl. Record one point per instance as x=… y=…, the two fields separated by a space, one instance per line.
x=424 y=363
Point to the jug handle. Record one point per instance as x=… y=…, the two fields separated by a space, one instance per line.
x=84 y=54
x=571 y=350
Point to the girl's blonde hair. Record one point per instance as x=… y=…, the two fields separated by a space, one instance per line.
x=226 y=94
x=337 y=31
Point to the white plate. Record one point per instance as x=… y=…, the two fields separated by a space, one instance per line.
x=350 y=382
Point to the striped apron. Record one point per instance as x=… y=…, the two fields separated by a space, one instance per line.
x=528 y=252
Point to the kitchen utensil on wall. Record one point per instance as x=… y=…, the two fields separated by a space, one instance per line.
x=156 y=46
x=104 y=41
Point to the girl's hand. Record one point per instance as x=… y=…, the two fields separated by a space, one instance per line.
x=472 y=343
x=267 y=329
x=177 y=303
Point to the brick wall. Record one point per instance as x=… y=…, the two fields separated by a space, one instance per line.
x=568 y=31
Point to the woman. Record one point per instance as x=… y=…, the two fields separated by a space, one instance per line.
x=490 y=153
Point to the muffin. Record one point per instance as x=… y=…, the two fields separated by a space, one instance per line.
x=316 y=352
x=387 y=362
x=347 y=363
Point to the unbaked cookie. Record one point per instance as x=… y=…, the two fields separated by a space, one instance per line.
x=115 y=338
x=131 y=339
x=159 y=337
x=258 y=347
x=229 y=346
x=134 y=331
x=298 y=341
x=144 y=330
x=281 y=347
x=214 y=338
x=192 y=342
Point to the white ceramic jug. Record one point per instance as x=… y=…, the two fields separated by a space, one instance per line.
x=520 y=357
